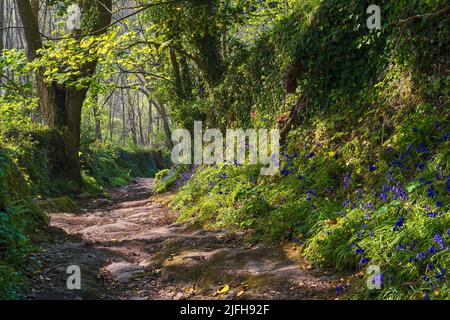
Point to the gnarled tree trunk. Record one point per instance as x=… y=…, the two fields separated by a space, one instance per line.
x=62 y=105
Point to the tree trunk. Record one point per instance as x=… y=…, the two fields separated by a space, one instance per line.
x=62 y=105
x=2 y=23
x=97 y=123
x=208 y=45
x=74 y=103
x=176 y=73
x=150 y=123
x=2 y=44
x=186 y=78
x=212 y=65
x=165 y=122
x=141 y=131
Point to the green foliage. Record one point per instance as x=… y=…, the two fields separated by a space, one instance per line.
x=168 y=179
x=365 y=173
x=19 y=218
x=108 y=166
x=16 y=102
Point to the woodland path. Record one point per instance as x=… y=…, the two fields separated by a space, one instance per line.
x=128 y=247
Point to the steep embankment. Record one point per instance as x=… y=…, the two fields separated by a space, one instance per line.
x=365 y=173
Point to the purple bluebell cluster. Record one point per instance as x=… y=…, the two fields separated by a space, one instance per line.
x=393 y=190
x=399 y=223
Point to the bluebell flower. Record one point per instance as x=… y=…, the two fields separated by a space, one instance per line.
x=347 y=180
x=311 y=155
x=359 y=250
x=420 y=165
x=363 y=261
x=432 y=250
x=401 y=247
x=399 y=223
x=399 y=192
x=439 y=204
x=415 y=130
x=431 y=192
x=369 y=205
x=372 y=168
x=359 y=194
x=360 y=234
x=404 y=155
x=426 y=278
x=345 y=203
x=308 y=198
x=378 y=279
x=421 y=255
x=339 y=289
x=432 y=214
x=422 y=148
x=439 y=240
x=446 y=136
x=300 y=177
x=440 y=274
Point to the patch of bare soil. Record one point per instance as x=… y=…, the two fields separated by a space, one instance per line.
x=128 y=247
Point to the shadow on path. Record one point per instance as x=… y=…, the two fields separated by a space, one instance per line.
x=128 y=247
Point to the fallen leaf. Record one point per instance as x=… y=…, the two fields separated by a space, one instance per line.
x=240 y=293
x=224 y=289
x=189 y=290
x=331 y=222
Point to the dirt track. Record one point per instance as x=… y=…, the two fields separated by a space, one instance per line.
x=128 y=247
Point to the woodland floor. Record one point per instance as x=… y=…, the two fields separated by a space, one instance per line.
x=129 y=247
